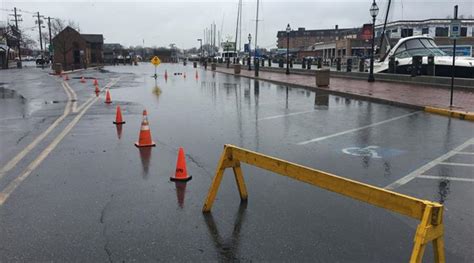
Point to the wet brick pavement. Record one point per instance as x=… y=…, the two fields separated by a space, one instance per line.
x=380 y=91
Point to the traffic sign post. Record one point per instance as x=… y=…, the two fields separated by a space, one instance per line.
x=155 y=61
x=455 y=29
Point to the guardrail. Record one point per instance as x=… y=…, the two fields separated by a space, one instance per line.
x=430 y=214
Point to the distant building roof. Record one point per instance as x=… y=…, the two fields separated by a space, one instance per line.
x=93 y=38
x=111 y=46
x=301 y=31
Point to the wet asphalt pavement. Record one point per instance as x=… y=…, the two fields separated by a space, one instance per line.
x=96 y=197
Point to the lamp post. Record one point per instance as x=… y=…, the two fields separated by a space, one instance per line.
x=200 y=41
x=250 y=53
x=374 y=11
x=288 y=30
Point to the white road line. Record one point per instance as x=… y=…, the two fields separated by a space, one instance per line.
x=356 y=129
x=457 y=164
x=446 y=178
x=285 y=115
x=407 y=178
x=5 y=193
x=467 y=153
x=15 y=160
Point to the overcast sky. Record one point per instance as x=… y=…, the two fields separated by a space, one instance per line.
x=159 y=23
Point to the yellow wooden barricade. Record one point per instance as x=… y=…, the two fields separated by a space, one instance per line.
x=429 y=213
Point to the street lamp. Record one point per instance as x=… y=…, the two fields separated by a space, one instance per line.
x=250 y=52
x=200 y=41
x=288 y=30
x=374 y=11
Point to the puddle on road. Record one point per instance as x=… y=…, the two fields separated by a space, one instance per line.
x=12 y=104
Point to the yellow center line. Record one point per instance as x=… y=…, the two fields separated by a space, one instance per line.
x=5 y=194
x=15 y=160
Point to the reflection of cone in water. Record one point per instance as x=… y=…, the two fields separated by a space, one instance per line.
x=83 y=80
x=197 y=75
x=66 y=77
x=184 y=75
x=119 y=131
x=118 y=116
x=180 y=192
x=181 y=172
x=166 y=74
x=144 y=139
x=96 y=82
x=97 y=90
x=107 y=97
x=145 y=156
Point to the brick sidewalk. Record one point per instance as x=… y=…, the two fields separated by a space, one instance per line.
x=417 y=96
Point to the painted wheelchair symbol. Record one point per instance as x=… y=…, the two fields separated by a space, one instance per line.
x=369 y=151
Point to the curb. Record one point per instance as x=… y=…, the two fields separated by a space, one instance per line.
x=335 y=92
x=462 y=115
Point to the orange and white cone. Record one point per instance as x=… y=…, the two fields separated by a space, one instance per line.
x=118 y=116
x=107 y=97
x=97 y=90
x=181 y=173
x=83 y=80
x=96 y=83
x=144 y=139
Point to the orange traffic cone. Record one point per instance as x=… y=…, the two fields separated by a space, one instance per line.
x=83 y=80
x=144 y=139
x=96 y=82
x=181 y=173
x=67 y=77
x=118 y=116
x=97 y=90
x=107 y=97
x=197 y=76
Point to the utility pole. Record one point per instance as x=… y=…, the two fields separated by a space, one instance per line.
x=256 y=34
x=19 y=40
x=50 y=38
x=41 y=39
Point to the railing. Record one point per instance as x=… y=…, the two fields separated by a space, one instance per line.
x=430 y=214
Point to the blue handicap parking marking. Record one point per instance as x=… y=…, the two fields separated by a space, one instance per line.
x=372 y=151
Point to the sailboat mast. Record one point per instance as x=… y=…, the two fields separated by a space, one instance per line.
x=240 y=26
x=385 y=24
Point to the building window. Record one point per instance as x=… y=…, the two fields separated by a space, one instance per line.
x=464 y=31
x=425 y=31
x=442 y=31
x=407 y=32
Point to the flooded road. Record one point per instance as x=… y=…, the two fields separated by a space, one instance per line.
x=97 y=197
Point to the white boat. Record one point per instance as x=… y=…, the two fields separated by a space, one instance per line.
x=424 y=46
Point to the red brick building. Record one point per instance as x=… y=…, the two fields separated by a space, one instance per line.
x=74 y=50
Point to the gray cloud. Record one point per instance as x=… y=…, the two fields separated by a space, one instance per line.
x=182 y=22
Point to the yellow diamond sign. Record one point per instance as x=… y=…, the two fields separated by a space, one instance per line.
x=155 y=61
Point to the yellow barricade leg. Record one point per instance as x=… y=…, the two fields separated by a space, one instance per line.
x=239 y=179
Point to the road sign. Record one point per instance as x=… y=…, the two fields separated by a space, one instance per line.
x=455 y=29
x=155 y=61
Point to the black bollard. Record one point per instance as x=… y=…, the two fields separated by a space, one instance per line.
x=338 y=64
x=269 y=62
x=303 y=64
x=320 y=62
x=349 y=65
x=249 y=61
x=263 y=62
x=291 y=63
x=257 y=65
x=309 y=64
x=361 y=65
x=228 y=62
x=280 y=63
x=430 y=68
